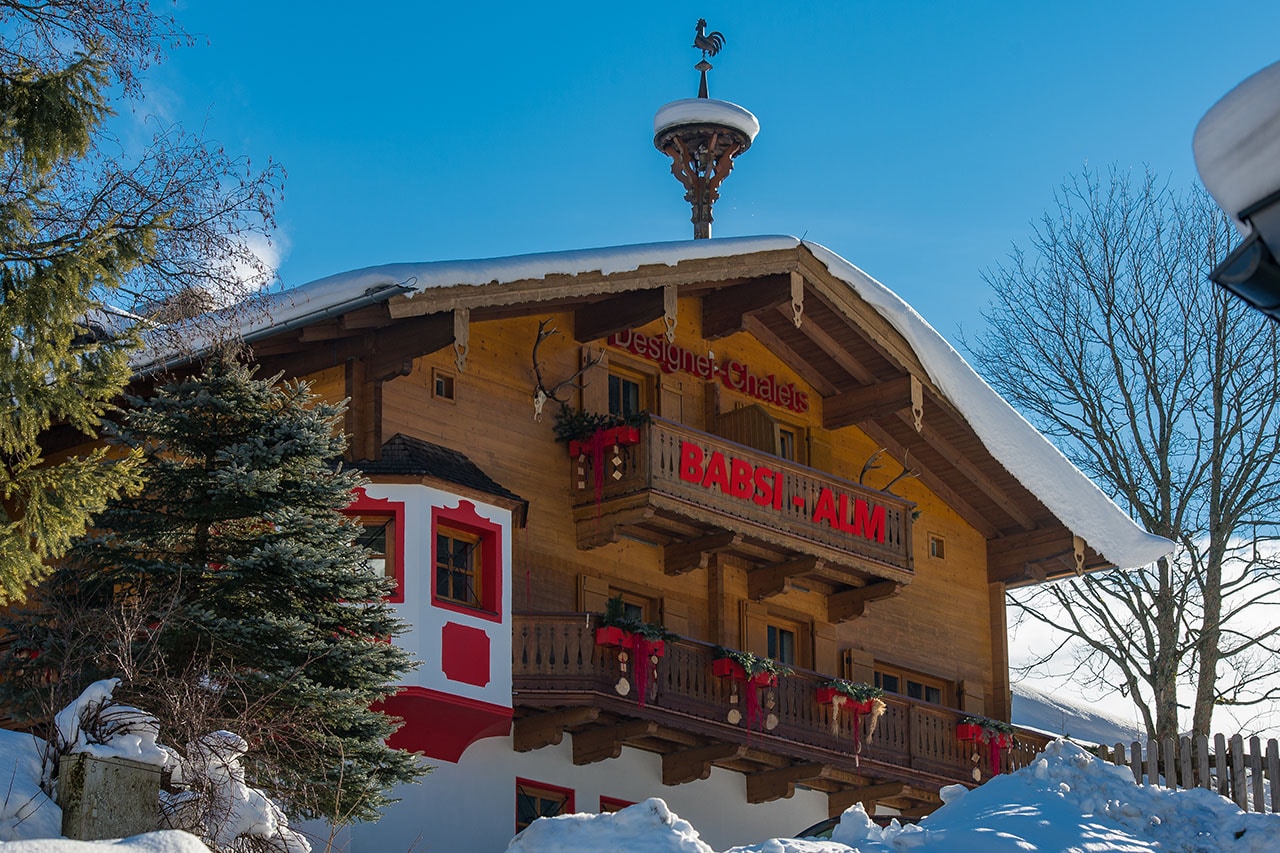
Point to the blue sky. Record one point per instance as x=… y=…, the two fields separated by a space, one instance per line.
x=917 y=139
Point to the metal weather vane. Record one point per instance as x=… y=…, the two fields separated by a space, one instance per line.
x=710 y=43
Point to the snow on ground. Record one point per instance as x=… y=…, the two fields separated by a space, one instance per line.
x=1067 y=801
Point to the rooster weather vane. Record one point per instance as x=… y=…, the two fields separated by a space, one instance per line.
x=710 y=43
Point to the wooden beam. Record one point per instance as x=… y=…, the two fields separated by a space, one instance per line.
x=973 y=473
x=780 y=348
x=1034 y=556
x=362 y=420
x=852 y=603
x=681 y=557
x=723 y=309
x=386 y=353
x=592 y=745
x=835 y=351
x=625 y=311
x=838 y=801
x=689 y=765
x=936 y=484
x=768 y=581
x=869 y=402
x=780 y=783
x=547 y=729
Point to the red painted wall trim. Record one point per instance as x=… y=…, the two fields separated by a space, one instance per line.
x=441 y=725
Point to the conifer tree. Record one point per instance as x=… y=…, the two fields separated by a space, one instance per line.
x=231 y=594
x=88 y=224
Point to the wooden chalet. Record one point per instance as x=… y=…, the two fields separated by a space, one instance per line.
x=821 y=481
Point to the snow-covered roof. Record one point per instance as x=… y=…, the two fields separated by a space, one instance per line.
x=1026 y=454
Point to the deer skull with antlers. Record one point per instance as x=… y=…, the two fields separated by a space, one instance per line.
x=541 y=393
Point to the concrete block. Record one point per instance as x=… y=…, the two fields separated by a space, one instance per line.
x=107 y=797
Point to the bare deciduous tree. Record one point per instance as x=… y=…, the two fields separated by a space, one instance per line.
x=1110 y=338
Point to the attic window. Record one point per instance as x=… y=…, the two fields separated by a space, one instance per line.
x=937 y=547
x=441 y=385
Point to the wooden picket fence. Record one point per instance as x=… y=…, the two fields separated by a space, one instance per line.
x=1244 y=773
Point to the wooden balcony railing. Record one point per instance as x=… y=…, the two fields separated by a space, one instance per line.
x=555 y=662
x=725 y=484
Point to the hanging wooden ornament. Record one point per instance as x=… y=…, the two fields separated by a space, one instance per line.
x=582 y=470
x=977 y=775
x=623 y=687
x=771 y=722
x=734 y=716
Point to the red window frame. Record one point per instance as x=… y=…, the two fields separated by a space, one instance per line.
x=614 y=804
x=567 y=793
x=366 y=507
x=465 y=519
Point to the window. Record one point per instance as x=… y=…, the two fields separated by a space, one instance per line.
x=536 y=799
x=466 y=560
x=787 y=443
x=377 y=533
x=441 y=384
x=913 y=685
x=382 y=532
x=610 y=804
x=937 y=546
x=628 y=391
x=782 y=644
x=459 y=577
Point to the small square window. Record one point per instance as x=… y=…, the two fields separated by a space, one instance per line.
x=441 y=385
x=937 y=547
x=535 y=800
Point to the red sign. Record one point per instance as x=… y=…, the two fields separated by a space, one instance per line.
x=738 y=478
x=731 y=373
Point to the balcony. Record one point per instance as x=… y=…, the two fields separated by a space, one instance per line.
x=695 y=494
x=564 y=682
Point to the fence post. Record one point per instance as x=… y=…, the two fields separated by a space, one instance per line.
x=1220 y=763
x=1273 y=773
x=1239 y=785
x=1170 y=763
x=1188 y=778
x=1205 y=779
x=1255 y=773
x=1153 y=761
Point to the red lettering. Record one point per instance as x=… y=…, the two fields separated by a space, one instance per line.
x=716 y=473
x=844 y=514
x=735 y=374
x=702 y=367
x=784 y=395
x=690 y=462
x=764 y=479
x=869 y=525
x=802 y=402
x=779 y=480
x=825 y=509
x=740 y=479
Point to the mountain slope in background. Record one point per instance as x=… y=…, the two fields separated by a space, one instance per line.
x=1054 y=714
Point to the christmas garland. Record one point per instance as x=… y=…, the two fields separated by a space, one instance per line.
x=996 y=734
x=639 y=643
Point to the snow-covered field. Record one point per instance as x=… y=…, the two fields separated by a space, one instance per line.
x=1065 y=802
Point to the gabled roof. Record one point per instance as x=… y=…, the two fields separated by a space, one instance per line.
x=420 y=290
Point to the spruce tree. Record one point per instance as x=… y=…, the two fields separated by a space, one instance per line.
x=231 y=594
x=88 y=223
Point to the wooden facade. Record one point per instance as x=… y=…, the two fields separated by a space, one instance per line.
x=766 y=362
